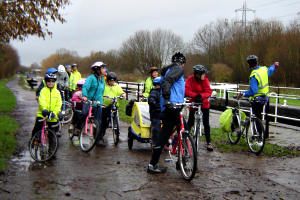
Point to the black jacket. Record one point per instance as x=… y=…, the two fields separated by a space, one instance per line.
x=154 y=102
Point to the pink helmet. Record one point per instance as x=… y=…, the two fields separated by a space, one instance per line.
x=80 y=83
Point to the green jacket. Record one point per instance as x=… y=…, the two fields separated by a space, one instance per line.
x=50 y=100
x=75 y=76
x=111 y=91
x=148 y=86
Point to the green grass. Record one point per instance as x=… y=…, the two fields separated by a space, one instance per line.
x=122 y=109
x=7 y=100
x=221 y=141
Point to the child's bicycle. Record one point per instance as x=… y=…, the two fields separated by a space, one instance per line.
x=66 y=111
x=44 y=143
x=90 y=131
x=255 y=133
x=114 y=118
x=183 y=151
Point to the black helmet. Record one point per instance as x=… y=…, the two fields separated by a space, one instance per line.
x=111 y=76
x=178 y=57
x=200 y=69
x=252 y=60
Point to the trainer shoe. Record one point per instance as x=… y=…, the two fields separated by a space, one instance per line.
x=209 y=147
x=156 y=169
x=71 y=128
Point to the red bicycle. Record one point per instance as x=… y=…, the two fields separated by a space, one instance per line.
x=182 y=148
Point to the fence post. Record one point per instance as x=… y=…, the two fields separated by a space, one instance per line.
x=226 y=100
x=138 y=92
x=127 y=91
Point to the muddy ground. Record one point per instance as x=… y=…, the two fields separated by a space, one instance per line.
x=114 y=172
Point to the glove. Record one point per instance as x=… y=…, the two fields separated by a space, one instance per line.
x=169 y=105
x=240 y=95
x=60 y=116
x=198 y=98
x=45 y=113
x=51 y=115
x=276 y=64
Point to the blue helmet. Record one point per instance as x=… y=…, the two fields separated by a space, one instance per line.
x=68 y=66
x=156 y=80
x=51 y=70
x=50 y=76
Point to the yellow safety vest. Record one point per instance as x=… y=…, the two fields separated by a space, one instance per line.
x=261 y=75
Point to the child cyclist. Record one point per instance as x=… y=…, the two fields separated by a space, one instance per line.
x=154 y=109
x=49 y=104
x=112 y=89
x=77 y=106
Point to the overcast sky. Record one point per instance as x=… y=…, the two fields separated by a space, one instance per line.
x=98 y=25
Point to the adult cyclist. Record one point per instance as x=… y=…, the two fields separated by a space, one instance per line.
x=259 y=87
x=198 y=88
x=172 y=90
x=74 y=78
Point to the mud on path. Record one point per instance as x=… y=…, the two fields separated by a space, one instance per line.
x=116 y=173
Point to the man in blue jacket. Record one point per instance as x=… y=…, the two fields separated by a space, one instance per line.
x=172 y=92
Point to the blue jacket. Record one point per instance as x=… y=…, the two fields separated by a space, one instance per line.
x=93 y=88
x=172 y=85
x=254 y=83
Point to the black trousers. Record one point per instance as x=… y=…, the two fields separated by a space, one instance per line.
x=257 y=109
x=106 y=112
x=169 y=119
x=205 y=112
x=39 y=125
x=155 y=129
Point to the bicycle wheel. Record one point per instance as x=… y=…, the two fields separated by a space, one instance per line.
x=43 y=152
x=234 y=134
x=196 y=133
x=115 y=129
x=68 y=114
x=87 y=140
x=256 y=136
x=187 y=157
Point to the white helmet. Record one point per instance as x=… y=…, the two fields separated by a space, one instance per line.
x=61 y=69
x=98 y=64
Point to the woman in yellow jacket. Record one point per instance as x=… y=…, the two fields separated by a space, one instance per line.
x=49 y=105
x=75 y=76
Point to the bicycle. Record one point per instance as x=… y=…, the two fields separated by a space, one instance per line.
x=114 y=118
x=44 y=143
x=66 y=111
x=196 y=130
x=255 y=137
x=183 y=147
x=90 y=131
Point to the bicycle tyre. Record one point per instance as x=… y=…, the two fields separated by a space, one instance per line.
x=234 y=134
x=188 y=148
x=88 y=141
x=67 y=117
x=130 y=139
x=115 y=129
x=256 y=140
x=42 y=153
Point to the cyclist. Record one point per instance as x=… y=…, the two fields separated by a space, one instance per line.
x=148 y=83
x=74 y=77
x=92 y=90
x=49 y=104
x=77 y=97
x=259 y=87
x=63 y=79
x=172 y=90
x=69 y=71
x=198 y=88
x=49 y=71
x=154 y=109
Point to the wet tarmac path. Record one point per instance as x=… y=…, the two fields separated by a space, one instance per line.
x=114 y=172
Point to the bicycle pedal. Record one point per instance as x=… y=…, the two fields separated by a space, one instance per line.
x=168 y=160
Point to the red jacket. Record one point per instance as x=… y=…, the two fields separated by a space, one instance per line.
x=194 y=87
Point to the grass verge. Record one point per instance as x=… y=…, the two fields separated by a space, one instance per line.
x=8 y=126
x=221 y=141
x=122 y=109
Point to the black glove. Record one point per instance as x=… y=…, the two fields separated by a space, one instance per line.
x=198 y=98
x=51 y=115
x=60 y=116
x=45 y=113
x=169 y=105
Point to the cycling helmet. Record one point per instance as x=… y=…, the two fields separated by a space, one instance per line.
x=111 y=76
x=68 y=66
x=61 y=69
x=74 y=65
x=200 y=69
x=80 y=83
x=98 y=64
x=51 y=70
x=156 y=80
x=252 y=60
x=178 y=57
x=152 y=69
x=50 y=76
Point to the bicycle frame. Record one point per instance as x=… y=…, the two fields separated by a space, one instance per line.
x=86 y=121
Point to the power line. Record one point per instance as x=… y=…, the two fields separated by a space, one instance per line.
x=266 y=4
